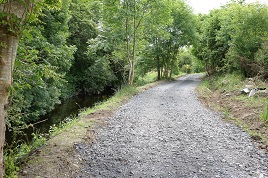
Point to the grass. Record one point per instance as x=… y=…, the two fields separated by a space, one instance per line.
x=151 y=77
x=113 y=102
x=226 y=82
x=264 y=114
x=148 y=78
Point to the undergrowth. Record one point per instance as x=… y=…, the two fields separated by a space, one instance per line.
x=148 y=78
x=227 y=82
x=18 y=155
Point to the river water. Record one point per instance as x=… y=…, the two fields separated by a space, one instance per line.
x=67 y=109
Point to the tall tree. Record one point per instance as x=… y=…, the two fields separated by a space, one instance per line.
x=83 y=28
x=174 y=27
x=14 y=15
x=41 y=64
x=125 y=19
x=156 y=33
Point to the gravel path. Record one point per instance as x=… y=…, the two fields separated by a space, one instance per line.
x=166 y=132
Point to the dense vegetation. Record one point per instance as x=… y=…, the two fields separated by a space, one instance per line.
x=234 y=39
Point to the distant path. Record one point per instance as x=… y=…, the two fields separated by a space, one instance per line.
x=166 y=132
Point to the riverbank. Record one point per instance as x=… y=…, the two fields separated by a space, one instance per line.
x=57 y=157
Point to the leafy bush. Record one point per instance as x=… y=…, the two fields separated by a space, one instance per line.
x=261 y=63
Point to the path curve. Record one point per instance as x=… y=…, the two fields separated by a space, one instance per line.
x=166 y=132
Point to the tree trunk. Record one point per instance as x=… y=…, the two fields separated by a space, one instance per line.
x=158 y=68
x=172 y=65
x=9 y=39
x=131 y=72
x=166 y=71
x=132 y=62
x=8 y=50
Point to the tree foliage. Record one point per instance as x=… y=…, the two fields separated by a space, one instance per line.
x=91 y=72
x=231 y=37
x=43 y=60
x=15 y=15
x=148 y=33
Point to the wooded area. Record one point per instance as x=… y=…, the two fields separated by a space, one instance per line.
x=234 y=39
x=86 y=46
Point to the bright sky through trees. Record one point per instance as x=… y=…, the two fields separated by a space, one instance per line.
x=204 y=6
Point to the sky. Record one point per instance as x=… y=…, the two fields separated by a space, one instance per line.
x=203 y=6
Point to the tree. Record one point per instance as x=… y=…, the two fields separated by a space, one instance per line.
x=42 y=61
x=123 y=24
x=83 y=28
x=14 y=15
x=230 y=37
x=182 y=32
x=248 y=31
x=167 y=32
x=213 y=41
x=155 y=33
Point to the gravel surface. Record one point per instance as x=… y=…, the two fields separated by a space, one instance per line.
x=166 y=132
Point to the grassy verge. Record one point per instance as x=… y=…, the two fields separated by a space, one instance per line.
x=223 y=93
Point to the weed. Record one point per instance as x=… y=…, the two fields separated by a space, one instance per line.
x=264 y=114
x=227 y=114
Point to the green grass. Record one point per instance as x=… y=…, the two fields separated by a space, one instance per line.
x=227 y=82
x=123 y=94
x=150 y=77
x=264 y=114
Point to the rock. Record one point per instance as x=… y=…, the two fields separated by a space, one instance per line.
x=249 y=86
x=245 y=91
x=263 y=146
x=75 y=165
